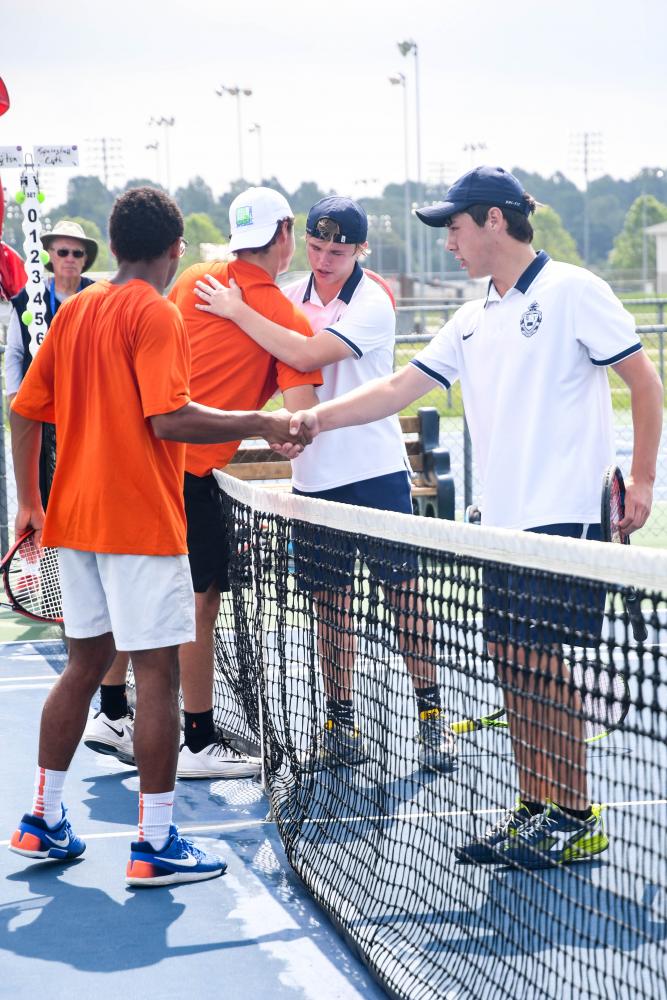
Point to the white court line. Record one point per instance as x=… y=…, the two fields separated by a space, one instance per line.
x=26 y=687
x=31 y=642
x=204 y=828
x=245 y=824
x=30 y=677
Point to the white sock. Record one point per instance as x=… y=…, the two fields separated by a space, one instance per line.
x=48 y=799
x=155 y=812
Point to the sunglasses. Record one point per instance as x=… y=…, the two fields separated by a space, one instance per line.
x=65 y=252
x=325 y=229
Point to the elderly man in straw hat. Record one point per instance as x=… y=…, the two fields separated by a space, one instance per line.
x=71 y=253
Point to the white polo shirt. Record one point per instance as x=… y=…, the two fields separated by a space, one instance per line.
x=532 y=366
x=363 y=317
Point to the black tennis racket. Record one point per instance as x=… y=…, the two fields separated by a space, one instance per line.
x=32 y=583
x=612 y=513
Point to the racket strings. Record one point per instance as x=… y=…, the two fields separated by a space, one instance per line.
x=33 y=582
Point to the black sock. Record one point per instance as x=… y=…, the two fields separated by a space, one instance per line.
x=341 y=711
x=534 y=808
x=580 y=814
x=428 y=698
x=113 y=701
x=199 y=730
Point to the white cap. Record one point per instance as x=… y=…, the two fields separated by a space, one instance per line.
x=254 y=215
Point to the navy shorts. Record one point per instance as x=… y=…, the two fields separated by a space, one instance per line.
x=325 y=558
x=208 y=538
x=538 y=608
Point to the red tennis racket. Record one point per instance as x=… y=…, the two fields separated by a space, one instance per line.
x=612 y=513
x=32 y=583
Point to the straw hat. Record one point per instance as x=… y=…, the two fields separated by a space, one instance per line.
x=74 y=232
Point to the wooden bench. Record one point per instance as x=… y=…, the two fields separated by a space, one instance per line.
x=432 y=484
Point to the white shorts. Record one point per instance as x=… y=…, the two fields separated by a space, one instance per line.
x=146 y=601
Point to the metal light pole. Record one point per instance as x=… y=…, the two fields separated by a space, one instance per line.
x=405 y=48
x=238 y=93
x=155 y=146
x=379 y=225
x=166 y=124
x=399 y=80
x=472 y=148
x=256 y=128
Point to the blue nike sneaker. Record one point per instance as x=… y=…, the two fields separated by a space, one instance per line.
x=555 y=838
x=34 y=839
x=178 y=861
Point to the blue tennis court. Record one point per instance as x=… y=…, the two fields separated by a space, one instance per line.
x=425 y=920
x=255 y=932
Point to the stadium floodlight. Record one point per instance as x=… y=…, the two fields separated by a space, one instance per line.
x=406 y=48
x=238 y=93
x=398 y=80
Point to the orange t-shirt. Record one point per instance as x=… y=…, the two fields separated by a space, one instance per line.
x=114 y=356
x=229 y=370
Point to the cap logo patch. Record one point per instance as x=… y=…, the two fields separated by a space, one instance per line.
x=531 y=319
x=244 y=215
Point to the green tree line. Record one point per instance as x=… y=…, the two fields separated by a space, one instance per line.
x=618 y=212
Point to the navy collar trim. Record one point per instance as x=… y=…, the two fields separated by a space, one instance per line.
x=350 y=286
x=526 y=279
x=532 y=271
x=348 y=289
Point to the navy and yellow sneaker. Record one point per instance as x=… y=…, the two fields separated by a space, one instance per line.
x=178 y=861
x=485 y=851
x=34 y=839
x=437 y=743
x=555 y=838
x=338 y=746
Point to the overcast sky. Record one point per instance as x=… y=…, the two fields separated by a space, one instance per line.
x=527 y=79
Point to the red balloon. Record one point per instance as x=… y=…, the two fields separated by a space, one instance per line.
x=4 y=98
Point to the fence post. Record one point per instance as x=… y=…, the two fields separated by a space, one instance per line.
x=467 y=465
x=4 y=512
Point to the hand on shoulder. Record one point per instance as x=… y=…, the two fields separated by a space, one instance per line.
x=218 y=298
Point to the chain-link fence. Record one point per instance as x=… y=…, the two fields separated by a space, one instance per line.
x=428 y=318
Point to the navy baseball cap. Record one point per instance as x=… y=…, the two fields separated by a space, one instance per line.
x=339 y=220
x=481 y=186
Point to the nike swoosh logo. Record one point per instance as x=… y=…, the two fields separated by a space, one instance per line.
x=467 y=336
x=118 y=732
x=189 y=862
x=63 y=842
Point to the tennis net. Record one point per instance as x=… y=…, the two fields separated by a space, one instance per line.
x=377 y=814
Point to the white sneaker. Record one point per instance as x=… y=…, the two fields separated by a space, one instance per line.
x=218 y=760
x=111 y=736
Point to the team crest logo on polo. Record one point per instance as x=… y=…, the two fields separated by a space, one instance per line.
x=244 y=215
x=531 y=319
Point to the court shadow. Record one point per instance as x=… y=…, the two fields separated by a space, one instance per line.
x=553 y=909
x=87 y=929
x=108 y=798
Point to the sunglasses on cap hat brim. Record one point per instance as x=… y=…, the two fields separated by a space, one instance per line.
x=327 y=229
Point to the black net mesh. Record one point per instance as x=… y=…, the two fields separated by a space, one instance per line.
x=426 y=628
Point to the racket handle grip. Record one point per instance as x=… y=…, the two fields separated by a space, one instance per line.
x=465 y=726
x=634 y=610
